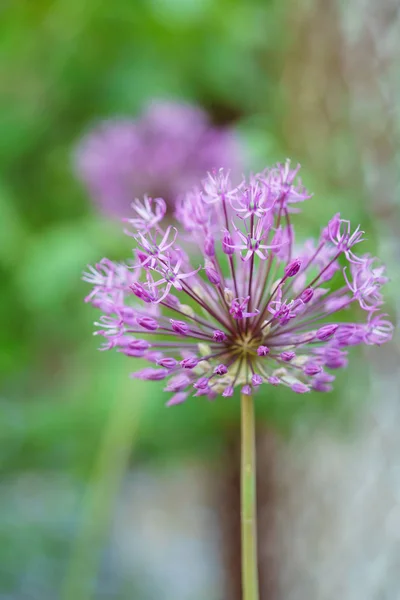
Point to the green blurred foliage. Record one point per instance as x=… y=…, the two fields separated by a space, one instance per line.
x=66 y=64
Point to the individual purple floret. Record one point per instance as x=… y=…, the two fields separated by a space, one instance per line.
x=162 y=153
x=230 y=315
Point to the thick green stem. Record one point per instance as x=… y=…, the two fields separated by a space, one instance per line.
x=248 y=501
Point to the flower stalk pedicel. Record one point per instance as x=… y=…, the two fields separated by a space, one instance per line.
x=248 y=500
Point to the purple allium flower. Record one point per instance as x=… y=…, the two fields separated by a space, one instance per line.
x=246 y=320
x=162 y=153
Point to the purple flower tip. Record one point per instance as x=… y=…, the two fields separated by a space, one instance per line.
x=141 y=293
x=177 y=399
x=318 y=386
x=322 y=382
x=153 y=355
x=263 y=350
x=201 y=384
x=150 y=374
x=293 y=268
x=246 y=390
x=212 y=276
x=300 y=388
x=219 y=336
x=139 y=345
x=287 y=355
x=274 y=380
x=209 y=247
x=312 y=369
x=325 y=332
x=168 y=363
x=238 y=308
x=228 y=391
x=227 y=244
x=147 y=323
x=307 y=295
x=220 y=370
x=179 y=327
x=171 y=301
x=333 y=228
x=256 y=379
x=177 y=383
x=189 y=363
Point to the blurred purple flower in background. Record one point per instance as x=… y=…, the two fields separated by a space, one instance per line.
x=261 y=310
x=162 y=153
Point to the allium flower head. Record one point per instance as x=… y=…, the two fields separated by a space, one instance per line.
x=162 y=153
x=250 y=307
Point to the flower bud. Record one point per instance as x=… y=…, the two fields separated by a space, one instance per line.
x=177 y=383
x=246 y=390
x=149 y=374
x=307 y=295
x=201 y=384
x=220 y=370
x=172 y=301
x=228 y=391
x=293 y=268
x=212 y=275
x=256 y=379
x=300 y=388
x=312 y=369
x=332 y=230
x=325 y=332
x=141 y=292
x=139 y=345
x=209 y=247
x=147 y=323
x=263 y=350
x=227 y=244
x=189 y=363
x=219 y=336
x=287 y=356
x=153 y=355
x=177 y=399
x=168 y=363
x=179 y=327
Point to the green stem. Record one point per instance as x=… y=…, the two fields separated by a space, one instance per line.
x=248 y=501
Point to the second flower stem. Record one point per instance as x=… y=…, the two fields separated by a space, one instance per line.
x=248 y=501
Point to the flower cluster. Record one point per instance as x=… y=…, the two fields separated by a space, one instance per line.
x=163 y=153
x=250 y=307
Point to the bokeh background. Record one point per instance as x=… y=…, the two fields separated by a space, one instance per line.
x=104 y=492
